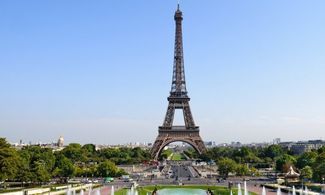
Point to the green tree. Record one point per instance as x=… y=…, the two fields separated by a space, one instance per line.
x=64 y=167
x=92 y=170
x=217 y=153
x=9 y=161
x=319 y=172
x=321 y=150
x=140 y=155
x=107 y=168
x=254 y=171
x=36 y=164
x=242 y=170
x=165 y=153
x=74 y=152
x=245 y=155
x=284 y=162
x=319 y=167
x=32 y=154
x=79 y=171
x=191 y=153
x=25 y=172
x=226 y=166
x=124 y=155
x=90 y=148
x=88 y=170
x=205 y=156
x=89 y=153
x=306 y=173
x=306 y=159
x=40 y=171
x=273 y=151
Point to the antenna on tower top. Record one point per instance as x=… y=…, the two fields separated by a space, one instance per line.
x=177 y=4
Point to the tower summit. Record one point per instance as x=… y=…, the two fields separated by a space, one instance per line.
x=178 y=82
x=178 y=99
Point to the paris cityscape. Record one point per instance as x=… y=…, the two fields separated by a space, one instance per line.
x=162 y=98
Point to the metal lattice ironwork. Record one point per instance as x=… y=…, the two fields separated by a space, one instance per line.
x=178 y=81
x=178 y=99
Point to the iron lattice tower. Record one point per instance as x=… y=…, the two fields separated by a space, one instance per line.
x=178 y=99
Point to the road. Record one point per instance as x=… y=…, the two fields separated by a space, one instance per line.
x=182 y=169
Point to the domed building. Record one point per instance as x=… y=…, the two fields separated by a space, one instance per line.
x=60 y=142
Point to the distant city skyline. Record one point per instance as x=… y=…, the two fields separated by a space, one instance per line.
x=101 y=72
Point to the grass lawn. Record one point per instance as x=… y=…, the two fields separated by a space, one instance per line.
x=178 y=156
x=215 y=189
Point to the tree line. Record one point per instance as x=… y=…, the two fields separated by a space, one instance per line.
x=35 y=164
x=245 y=161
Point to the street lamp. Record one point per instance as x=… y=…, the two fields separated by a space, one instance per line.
x=323 y=184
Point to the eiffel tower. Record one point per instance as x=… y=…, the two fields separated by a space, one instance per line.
x=178 y=99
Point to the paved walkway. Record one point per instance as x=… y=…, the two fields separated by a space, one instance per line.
x=258 y=190
x=106 y=190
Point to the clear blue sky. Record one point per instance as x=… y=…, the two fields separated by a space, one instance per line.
x=100 y=72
